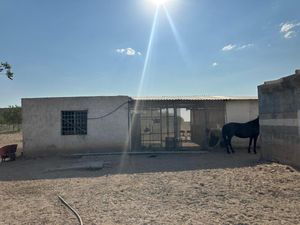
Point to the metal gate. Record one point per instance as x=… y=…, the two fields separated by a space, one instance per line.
x=154 y=128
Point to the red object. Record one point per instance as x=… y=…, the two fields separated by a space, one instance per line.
x=8 y=151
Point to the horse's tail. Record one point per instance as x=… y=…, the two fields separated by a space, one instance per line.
x=225 y=137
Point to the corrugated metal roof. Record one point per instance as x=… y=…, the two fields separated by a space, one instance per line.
x=193 y=98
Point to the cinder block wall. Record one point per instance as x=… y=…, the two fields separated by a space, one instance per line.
x=42 y=125
x=279 y=111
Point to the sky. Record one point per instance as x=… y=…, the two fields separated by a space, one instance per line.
x=99 y=47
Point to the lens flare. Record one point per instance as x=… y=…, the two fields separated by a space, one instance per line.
x=178 y=39
x=140 y=88
x=159 y=2
x=132 y=116
x=149 y=48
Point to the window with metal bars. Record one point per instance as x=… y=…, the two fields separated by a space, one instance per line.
x=74 y=122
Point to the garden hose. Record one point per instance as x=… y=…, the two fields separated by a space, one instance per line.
x=72 y=209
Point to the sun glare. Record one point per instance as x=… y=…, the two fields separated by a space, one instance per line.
x=159 y=2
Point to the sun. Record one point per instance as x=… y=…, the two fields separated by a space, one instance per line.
x=159 y=2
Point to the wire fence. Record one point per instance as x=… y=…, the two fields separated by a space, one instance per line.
x=10 y=128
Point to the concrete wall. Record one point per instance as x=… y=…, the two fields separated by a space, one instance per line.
x=42 y=125
x=279 y=106
x=241 y=111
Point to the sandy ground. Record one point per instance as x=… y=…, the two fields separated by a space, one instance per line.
x=208 y=188
x=167 y=189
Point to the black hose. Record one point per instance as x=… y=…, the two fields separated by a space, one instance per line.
x=108 y=114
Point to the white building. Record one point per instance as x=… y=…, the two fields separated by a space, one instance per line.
x=56 y=125
x=117 y=123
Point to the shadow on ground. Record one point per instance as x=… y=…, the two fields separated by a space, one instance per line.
x=95 y=166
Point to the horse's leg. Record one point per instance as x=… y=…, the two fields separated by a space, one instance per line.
x=250 y=142
x=231 y=145
x=255 y=140
x=225 y=139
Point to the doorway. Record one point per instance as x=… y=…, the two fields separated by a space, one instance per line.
x=162 y=129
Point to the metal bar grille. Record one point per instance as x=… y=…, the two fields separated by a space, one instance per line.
x=74 y=122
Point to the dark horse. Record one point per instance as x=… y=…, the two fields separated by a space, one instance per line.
x=241 y=130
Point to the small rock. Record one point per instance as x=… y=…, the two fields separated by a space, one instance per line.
x=290 y=169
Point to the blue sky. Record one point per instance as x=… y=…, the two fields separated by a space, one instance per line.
x=98 y=47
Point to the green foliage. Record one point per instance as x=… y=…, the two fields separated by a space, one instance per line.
x=1 y=119
x=4 y=66
x=12 y=115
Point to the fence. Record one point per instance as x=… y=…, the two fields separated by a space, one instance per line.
x=10 y=128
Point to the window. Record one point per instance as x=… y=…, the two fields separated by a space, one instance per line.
x=74 y=122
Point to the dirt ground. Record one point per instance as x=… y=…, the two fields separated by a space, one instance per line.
x=204 y=188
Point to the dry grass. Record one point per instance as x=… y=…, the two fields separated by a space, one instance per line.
x=12 y=138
